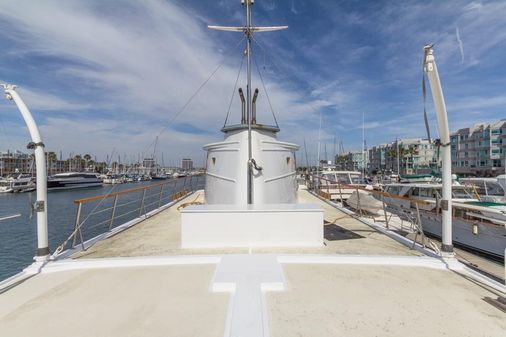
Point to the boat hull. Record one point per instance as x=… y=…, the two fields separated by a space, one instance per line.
x=489 y=239
x=68 y=184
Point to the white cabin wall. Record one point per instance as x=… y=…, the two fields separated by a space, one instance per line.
x=277 y=181
x=227 y=174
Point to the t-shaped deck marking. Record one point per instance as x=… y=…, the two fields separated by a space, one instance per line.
x=248 y=277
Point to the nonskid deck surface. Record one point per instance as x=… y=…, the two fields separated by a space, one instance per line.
x=316 y=300
x=161 y=235
x=381 y=301
x=137 y=301
x=140 y=282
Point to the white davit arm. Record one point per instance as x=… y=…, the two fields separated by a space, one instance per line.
x=40 y=161
x=444 y=134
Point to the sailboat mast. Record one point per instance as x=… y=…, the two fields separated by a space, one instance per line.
x=248 y=30
x=248 y=98
x=319 y=141
x=363 y=145
x=307 y=161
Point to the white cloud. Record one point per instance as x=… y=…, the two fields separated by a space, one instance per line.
x=124 y=70
x=139 y=64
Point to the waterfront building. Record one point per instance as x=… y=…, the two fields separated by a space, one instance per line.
x=351 y=161
x=377 y=159
x=148 y=166
x=479 y=150
x=187 y=164
x=403 y=156
x=17 y=160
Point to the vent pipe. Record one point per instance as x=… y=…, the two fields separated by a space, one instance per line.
x=254 y=103
x=243 y=107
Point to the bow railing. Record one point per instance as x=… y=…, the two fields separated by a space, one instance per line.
x=102 y=213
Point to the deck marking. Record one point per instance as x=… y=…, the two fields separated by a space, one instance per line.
x=248 y=278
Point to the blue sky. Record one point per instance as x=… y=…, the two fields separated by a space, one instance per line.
x=111 y=75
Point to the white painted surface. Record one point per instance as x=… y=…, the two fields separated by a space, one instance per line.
x=40 y=161
x=248 y=278
x=406 y=261
x=444 y=134
x=296 y=225
x=227 y=168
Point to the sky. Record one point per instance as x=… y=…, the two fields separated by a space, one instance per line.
x=109 y=77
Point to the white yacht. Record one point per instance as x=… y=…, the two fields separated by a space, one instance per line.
x=112 y=179
x=18 y=182
x=476 y=224
x=249 y=256
x=339 y=185
x=71 y=180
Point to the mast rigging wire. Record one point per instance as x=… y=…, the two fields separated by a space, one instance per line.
x=265 y=90
x=171 y=120
x=233 y=91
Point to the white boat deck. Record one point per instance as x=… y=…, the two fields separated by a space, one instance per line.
x=381 y=301
x=137 y=301
x=161 y=235
x=141 y=283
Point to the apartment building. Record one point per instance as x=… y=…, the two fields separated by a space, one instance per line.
x=377 y=159
x=352 y=161
x=17 y=161
x=12 y=161
x=479 y=150
x=187 y=164
x=403 y=156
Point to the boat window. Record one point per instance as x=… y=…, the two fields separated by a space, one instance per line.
x=459 y=213
x=393 y=190
x=328 y=177
x=343 y=178
x=494 y=189
x=461 y=193
x=355 y=179
x=479 y=187
x=415 y=191
x=426 y=193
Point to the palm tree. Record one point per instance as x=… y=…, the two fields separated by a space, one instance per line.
x=78 y=160
x=51 y=157
x=87 y=158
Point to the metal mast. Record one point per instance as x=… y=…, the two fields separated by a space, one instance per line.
x=249 y=34
x=430 y=69
x=248 y=30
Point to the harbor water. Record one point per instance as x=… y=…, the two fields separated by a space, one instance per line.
x=18 y=236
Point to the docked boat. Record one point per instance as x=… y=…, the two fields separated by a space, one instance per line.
x=339 y=185
x=113 y=179
x=71 y=180
x=477 y=225
x=159 y=176
x=18 y=182
x=488 y=189
x=179 y=174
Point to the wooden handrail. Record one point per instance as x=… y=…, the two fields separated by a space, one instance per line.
x=127 y=191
